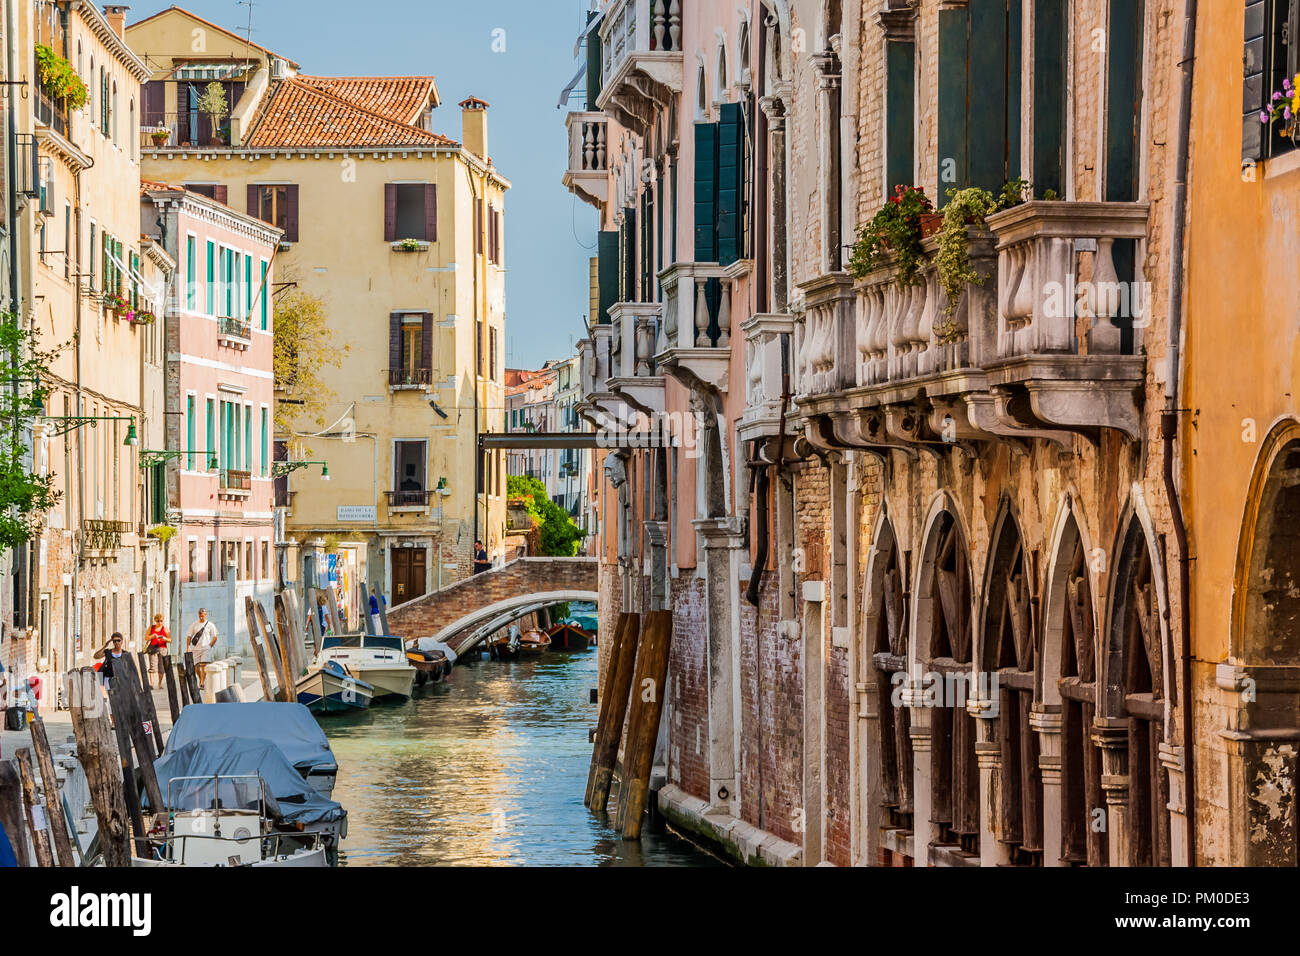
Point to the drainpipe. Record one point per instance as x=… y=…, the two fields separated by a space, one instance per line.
x=478 y=452
x=760 y=553
x=1169 y=419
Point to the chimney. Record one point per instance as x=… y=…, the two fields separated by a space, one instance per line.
x=115 y=14
x=473 y=124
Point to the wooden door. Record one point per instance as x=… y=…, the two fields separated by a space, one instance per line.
x=409 y=567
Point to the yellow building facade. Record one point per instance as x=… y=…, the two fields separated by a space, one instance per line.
x=399 y=230
x=1242 y=435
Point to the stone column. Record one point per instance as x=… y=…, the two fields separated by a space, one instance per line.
x=1048 y=726
x=724 y=547
x=924 y=831
x=1171 y=758
x=827 y=66
x=868 y=775
x=1111 y=735
x=774 y=108
x=988 y=756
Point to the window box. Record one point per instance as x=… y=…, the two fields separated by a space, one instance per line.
x=410 y=245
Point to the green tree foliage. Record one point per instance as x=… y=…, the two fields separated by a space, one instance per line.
x=558 y=536
x=25 y=497
x=303 y=345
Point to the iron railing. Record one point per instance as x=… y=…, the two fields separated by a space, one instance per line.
x=399 y=377
x=233 y=325
x=101 y=534
x=233 y=479
x=408 y=499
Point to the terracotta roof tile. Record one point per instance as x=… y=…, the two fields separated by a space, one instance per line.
x=399 y=98
x=311 y=113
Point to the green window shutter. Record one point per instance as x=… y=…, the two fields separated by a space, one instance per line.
x=953 y=60
x=1124 y=99
x=731 y=171
x=607 y=272
x=189 y=432
x=211 y=294
x=900 y=109
x=988 y=88
x=262 y=445
x=248 y=287
x=159 y=494
x=248 y=437
x=706 y=192
x=263 y=296
x=1051 y=40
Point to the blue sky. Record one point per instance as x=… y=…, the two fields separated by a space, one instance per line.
x=549 y=235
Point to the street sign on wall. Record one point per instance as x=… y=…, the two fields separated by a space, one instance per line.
x=356 y=513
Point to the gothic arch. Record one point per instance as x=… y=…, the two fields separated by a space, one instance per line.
x=942 y=645
x=883 y=658
x=1266 y=609
x=1008 y=647
x=1068 y=681
x=1137 y=686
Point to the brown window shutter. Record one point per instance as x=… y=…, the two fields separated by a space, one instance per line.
x=426 y=342
x=430 y=212
x=478 y=227
x=219 y=193
x=496 y=245
x=291 y=213
x=252 y=201
x=394 y=340
x=390 y=212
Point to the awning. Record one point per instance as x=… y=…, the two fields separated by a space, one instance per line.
x=211 y=71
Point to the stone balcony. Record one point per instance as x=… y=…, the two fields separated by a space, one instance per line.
x=641 y=60
x=769 y=352
x=587 y=175
x=600 y=405
x=1032 y=352
x=636 y=376
x=695 y=344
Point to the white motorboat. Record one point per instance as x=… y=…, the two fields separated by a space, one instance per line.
x=228 y=825
x=329 y=688
x=377 y=659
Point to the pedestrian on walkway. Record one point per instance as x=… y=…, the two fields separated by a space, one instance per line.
x=157 y=647
x=376 y=619
x=201 y=638
x=110 y=652
x=481 y=561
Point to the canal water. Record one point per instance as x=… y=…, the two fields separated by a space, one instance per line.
x=487 y=768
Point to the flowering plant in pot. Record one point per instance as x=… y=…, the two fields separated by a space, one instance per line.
x=143 y=317
x=1284 y=108
x=117 y=304
x=160 y=135
x=895 y=229
x=966 y=207
x=59 y=81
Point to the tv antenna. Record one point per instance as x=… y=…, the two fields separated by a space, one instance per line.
x=248 y=32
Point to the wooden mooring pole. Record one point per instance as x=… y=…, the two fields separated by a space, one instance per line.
x=11 y=810
x=169 y=672
x=35 y=814
x=53 y=802
x=613 y=708
x=99 y=760
x=648 y=689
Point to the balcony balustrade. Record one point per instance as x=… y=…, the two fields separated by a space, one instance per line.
x=413 y=378
x=769 y=347
x=695 y=344
x=587 y=176
x=408 y=499
x=234 y=331
x=1034 y=351
x=186 y=130
x=601 y=406
x=636 y=375
x=235 y=484
x=102 y=537
x=641 y=60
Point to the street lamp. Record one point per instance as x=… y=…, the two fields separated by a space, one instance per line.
x=73 y=422
x=156 y=456
x=282 y=468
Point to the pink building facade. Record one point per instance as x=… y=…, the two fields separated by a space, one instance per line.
x=220 y=407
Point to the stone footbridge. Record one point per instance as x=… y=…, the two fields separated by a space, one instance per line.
x=457 y=613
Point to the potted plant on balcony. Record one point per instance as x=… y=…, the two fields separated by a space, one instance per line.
x=59 y=81
x=965 y=208
x=116 y=303
x=143 y=317
x=896 y=229
x=1284 y=108
x=212 y=103
x=409 y=245
x=160 y=135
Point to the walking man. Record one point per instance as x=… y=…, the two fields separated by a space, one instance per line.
x=481 y=561
x=199 y=639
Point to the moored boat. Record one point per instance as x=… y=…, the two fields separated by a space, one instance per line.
x=430 y=666
x=567 y=636
x=505 y=647
x=329 y=689
x=378 y=659
x=533 y=641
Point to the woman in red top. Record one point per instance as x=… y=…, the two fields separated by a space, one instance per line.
x=157 y=646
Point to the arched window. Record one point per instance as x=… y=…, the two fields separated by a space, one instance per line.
x=1139 y=675
x=112 y=114
x=886 y=657
x=720 y=81
x=131 y=133
x=742 y=52
x=1009 y=651
x=1071 y=623
x=701 y=94
x=943 y=622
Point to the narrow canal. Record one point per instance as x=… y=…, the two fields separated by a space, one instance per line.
x=488 y=768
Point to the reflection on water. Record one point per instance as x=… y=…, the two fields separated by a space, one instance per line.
x=488 y=768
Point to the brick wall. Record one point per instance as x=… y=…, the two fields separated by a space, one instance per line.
x=688 y=756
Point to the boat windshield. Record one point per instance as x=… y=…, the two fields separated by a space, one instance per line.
x=386 y=641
